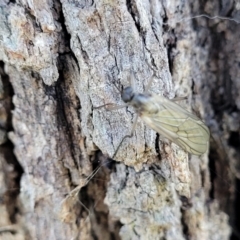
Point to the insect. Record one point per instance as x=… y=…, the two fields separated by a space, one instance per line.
x=168 y=119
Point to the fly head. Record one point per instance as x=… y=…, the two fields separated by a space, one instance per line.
x=127 y=94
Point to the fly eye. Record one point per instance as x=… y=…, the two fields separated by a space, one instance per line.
x=127 y=94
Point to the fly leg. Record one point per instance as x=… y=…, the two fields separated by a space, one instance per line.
x=127 y=136
x=111 y=106
x=149 y=84
x=176 y=99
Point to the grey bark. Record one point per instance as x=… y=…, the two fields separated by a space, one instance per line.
x=60 y=60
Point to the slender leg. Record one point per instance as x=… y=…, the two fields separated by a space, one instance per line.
x=178 y=99
x=132 y=82
x=127 y=136
x=149 y=84
x=111 y=106
x=96 y=171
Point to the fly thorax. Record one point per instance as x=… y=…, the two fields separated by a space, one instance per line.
x=143 y=104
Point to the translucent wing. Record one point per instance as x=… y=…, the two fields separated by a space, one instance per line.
x=176 y=124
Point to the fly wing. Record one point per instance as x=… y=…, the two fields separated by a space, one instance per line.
x=177 y=124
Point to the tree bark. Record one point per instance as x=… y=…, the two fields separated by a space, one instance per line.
x=60 y=61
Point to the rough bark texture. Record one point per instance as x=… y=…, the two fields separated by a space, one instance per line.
x=60 y=60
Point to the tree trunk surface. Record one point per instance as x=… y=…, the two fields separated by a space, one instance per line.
x=61 y=61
